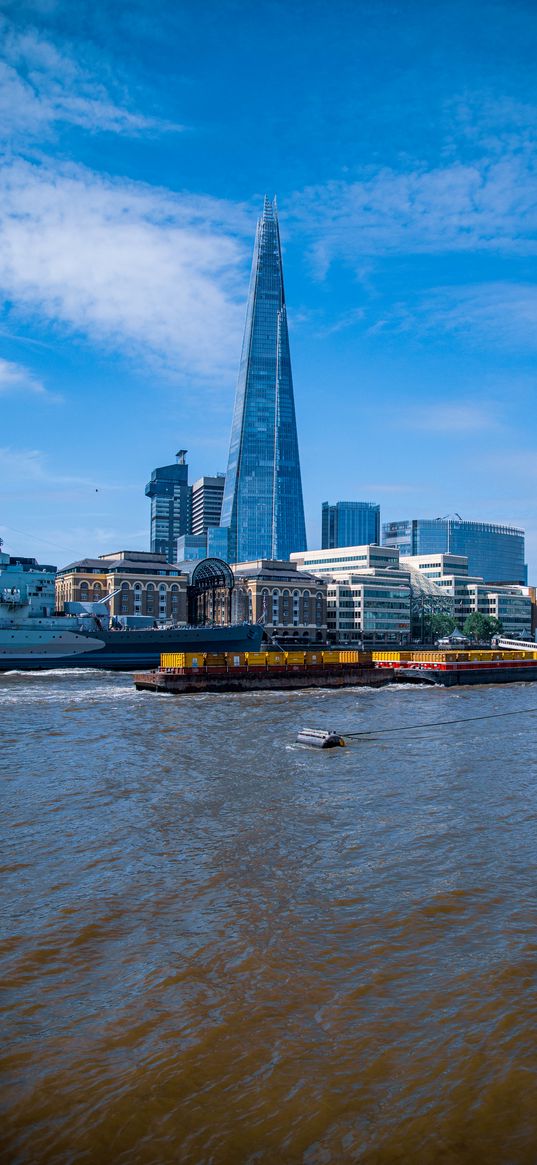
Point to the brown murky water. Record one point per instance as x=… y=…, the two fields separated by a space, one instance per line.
x=220 y=948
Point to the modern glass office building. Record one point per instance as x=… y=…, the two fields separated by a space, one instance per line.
x=170 y=506
x=207 y=495
x=350 y=524
x=262 y=505
x=495 y=553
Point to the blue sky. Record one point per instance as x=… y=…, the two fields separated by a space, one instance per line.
x=139 y=140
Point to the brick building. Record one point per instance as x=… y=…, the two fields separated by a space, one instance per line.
x=146 y=582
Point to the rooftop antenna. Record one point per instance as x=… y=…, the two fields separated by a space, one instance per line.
x=181 y=454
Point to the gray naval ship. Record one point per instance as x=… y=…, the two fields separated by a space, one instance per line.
x=86 y=636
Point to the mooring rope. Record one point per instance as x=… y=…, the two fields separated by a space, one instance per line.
x=441 y=723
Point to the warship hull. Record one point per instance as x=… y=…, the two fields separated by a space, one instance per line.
x=41 y=644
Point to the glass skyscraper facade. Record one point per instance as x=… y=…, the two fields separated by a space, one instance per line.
x=262 y=506
x=495 y=553
x=350 y=524
x=170 y=506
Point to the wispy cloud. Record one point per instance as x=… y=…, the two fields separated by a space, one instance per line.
x=15 y=378
x=26 y=468
x=488 y=205
x=43 y=84
x=504 y=314
x=454 y=418
x=139 y=269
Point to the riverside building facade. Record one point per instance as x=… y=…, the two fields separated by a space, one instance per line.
x=512 y=605
x=262 y=507
x=291 y=603
x=369 y=608
x=368 y=594
x=495 y=553
x=349 y=524
x=347 y=559
x=146 y=583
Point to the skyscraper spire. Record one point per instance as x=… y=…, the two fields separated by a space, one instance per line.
x=262 y=506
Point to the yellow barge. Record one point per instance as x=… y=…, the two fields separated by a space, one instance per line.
x=337 y=667
x=258 y=670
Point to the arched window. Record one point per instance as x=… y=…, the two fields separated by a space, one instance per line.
x=306 y=606
x=150 y=586
x=124 y=596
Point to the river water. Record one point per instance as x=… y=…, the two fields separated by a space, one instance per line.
x=222 y=948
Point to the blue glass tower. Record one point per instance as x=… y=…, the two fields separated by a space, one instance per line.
x=495 y=553
x=262 y=506
x=350 y=524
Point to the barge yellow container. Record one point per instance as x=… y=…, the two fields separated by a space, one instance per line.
x=275 y=658
x=182 y=659
x=256 y=658
x=216 y=659
x=331 y=656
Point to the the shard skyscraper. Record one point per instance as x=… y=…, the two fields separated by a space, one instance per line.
x=262 y=506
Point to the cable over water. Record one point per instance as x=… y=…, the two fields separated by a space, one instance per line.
x=442 y=723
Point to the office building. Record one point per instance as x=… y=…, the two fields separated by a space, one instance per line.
x=372 y=596
x=495 y=553
x=291 y=603
x=347 y=560
x=206 y=506
x=262 y=505
x=512 y=605
x=369 y=608
x=350 y=524
x=190 y=547
x=170 y=506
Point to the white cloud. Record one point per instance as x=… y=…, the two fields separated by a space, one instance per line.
x=15 y=378
x=42 y=84
x=487 y=205
x=139 y=269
